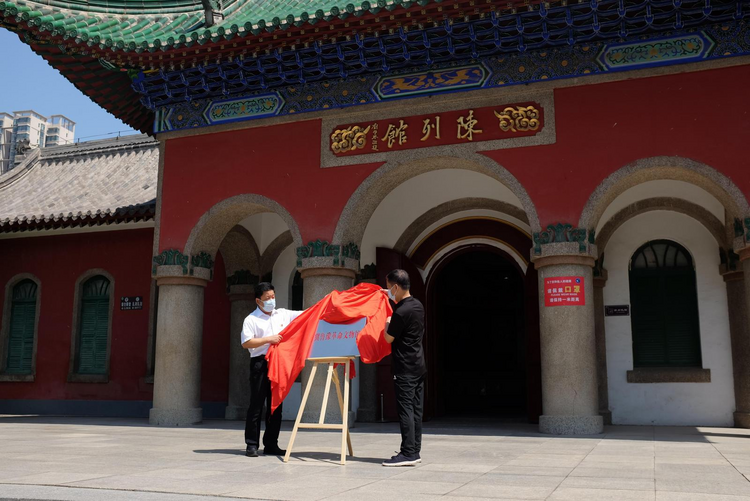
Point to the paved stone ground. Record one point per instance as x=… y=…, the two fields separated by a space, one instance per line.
x=118 y=459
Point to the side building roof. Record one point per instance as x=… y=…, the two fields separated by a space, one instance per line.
x=85 y=184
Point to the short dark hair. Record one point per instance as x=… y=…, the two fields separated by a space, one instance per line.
x=262 y=288
x=400 y=278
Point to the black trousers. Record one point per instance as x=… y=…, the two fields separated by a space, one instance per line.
x=410 y=407
x=260 y=393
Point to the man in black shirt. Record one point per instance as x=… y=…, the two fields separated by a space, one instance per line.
x=405 y=330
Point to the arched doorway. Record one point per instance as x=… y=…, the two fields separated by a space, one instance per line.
x=478 y=333
x=472 y=276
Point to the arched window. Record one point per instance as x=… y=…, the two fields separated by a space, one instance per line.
x=20 y=353
x=664 y=302
x=91 y=350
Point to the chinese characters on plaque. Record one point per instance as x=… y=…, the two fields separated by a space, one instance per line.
x=564 y=291
x=336 y=340
x=131 y=303
x=447 y=128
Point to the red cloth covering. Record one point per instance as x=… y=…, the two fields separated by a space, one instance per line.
x=287 y=359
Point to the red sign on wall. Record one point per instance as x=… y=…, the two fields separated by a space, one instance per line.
x=450 y=127
x=564 y=291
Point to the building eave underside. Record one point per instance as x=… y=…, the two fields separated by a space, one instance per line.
x=117 y=62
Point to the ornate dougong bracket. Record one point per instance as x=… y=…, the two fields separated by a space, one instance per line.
x=242 y=277
x=171 y=257
x=563 y=232
x=202 y=260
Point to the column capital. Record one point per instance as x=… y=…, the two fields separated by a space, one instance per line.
x=241 y=292
x=564 y=258
x=173 y=263
x=731 y=275
x=600 y=279
x=322 y=254
x=242 y=277
x=327 y=271
x=744 y=253
x=741 y=240
x=173 y=275
x=563 y=244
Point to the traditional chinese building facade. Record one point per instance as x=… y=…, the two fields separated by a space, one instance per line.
x=565 y=183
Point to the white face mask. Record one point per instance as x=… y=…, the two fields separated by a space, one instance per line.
x=391 y=295
x=269 y=305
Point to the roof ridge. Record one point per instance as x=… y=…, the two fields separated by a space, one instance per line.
x=75 y=149
x=19 y=171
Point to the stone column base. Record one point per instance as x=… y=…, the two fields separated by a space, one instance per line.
x=571 y=425
x=606 y=416
x=235 y=413
x=175 y=417
x=742 y=419
x=367 y=415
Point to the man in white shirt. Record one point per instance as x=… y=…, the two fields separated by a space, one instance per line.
x=261 y=329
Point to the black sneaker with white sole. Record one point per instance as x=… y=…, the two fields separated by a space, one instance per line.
x=401 y=460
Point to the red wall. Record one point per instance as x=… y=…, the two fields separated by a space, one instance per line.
x=281 y=163
x=215 y=356
x=58 y=261
x=600 y=128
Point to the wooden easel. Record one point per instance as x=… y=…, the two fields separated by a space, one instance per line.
x=332 y=376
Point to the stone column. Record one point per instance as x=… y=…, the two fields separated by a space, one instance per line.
x=601 y=347
x=179 y=334
x=320 y=278
x=570 y=402
x=738 y=293
x=368 y=387
x=242 y=298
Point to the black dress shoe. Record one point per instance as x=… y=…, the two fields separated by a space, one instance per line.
x=251 y=452
x=274 y=451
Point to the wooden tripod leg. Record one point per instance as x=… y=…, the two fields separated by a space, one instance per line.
x=345 y=433
x=325 y=394
x=302 y=405
x=341 y=406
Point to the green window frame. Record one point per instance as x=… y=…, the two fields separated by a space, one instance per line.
x=93 y=330
x=664 y=306
x=22 y=328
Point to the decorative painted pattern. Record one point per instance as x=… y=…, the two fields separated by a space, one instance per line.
x=682 y=48
x=428 y=82
x=230 y=110
x=713 y=42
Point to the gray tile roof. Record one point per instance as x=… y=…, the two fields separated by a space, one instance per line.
x=91 y=183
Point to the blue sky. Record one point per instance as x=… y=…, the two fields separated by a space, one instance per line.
x=27 y=82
